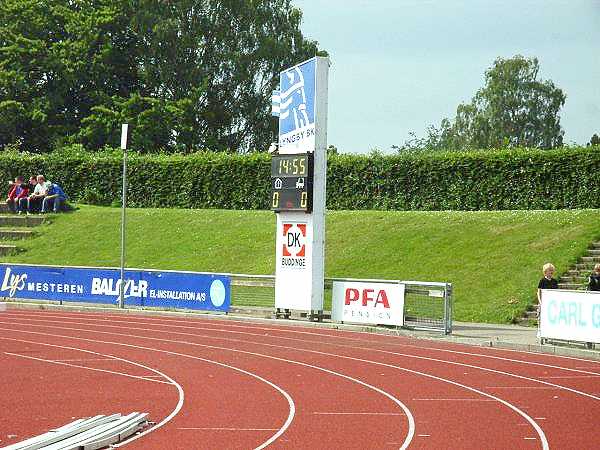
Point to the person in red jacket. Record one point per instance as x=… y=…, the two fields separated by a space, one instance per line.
x=18 y=190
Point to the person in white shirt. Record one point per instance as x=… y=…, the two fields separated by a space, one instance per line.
x=41 y=190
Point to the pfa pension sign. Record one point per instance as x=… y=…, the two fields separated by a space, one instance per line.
x=570 y=315
x=370 y=303
x=188 y=290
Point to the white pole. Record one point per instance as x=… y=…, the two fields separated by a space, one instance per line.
x=124 y=128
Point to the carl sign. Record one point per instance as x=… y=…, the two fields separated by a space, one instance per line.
x=371 y=303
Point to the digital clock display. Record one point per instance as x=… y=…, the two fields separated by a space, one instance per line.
x=290 y=165
x=292 y=182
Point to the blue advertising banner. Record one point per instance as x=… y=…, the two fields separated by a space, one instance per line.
x=163 y=289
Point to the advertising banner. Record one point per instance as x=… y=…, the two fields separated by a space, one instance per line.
x=297 y=107
x=369 y=303
x=163 y=289
x=570 y=315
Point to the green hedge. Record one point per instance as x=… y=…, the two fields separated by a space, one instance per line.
x=511 y=179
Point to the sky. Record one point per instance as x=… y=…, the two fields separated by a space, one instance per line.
x=402 y=65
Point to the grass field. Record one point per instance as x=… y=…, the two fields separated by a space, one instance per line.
x=493 y=259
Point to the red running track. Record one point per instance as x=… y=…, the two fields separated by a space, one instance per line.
x=213 y=383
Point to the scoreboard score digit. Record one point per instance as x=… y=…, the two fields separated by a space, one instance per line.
x=292 y=182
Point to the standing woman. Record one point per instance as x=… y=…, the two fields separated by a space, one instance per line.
x=547 y=282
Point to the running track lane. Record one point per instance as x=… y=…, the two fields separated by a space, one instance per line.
x=468 y=413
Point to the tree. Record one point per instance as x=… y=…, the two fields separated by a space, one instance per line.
x=513 y=109
x=58 y=59
x=200 y=71
x=595 y=140
x=226 y=55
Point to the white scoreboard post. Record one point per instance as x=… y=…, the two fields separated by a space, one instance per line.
x=298 y=175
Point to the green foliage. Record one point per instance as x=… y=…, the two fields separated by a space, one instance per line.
x=478 y=180
x=187 y=74
x=513 y=109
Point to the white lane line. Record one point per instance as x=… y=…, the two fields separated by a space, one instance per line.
x=530 y=439
x=144 y=321
x=156 y=371
x=356 y=414
x=540 y=418
x=424 y=435
x=523 y=387
x=227 y=429
x=409 y=416
x=566 y=377
x=51 y=361
x=84 y=359
x=453 y=400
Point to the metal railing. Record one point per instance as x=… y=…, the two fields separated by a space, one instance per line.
x=427 y=305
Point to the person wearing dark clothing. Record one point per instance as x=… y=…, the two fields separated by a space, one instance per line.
x=548 y=282
x=594 y=279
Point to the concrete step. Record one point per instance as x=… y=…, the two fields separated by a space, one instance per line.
x=594 y=259
x=21 y=221
x=593 y=252
x=527 y=321
x=574 y=279
x=572 y=286
x=16 y=234
x=6 y=249
x=4 y=208
x=595 y=244
x=530 y=315
x=585 y=266
x=578 y=273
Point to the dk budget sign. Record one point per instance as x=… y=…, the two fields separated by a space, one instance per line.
x=369 y=303
x=189 y=290
x=570 y=315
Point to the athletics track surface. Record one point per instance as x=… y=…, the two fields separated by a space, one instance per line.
x=211 y=383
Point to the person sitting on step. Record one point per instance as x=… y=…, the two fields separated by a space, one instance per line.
x=55 y=198
x=34 y=202
x=18 y=191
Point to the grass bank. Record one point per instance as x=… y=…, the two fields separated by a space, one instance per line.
x=493 y=258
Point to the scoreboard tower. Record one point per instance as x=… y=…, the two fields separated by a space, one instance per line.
x=298 y=178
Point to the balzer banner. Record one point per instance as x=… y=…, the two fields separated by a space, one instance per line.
x=163 y=289
x=370 y=303
x=570 y=316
